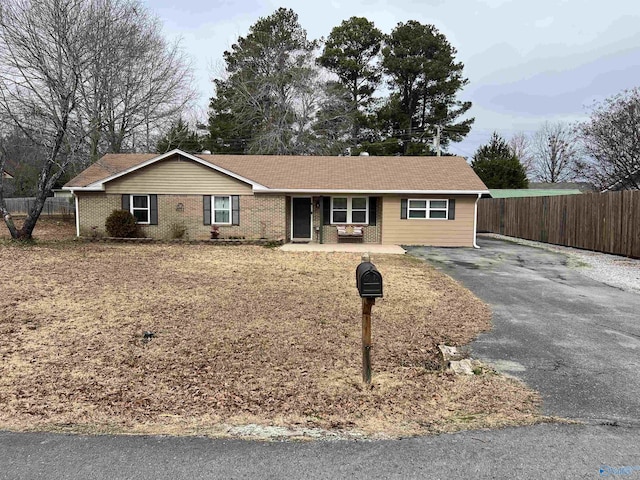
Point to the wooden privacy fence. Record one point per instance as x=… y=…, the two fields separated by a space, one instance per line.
x=52 y=206
x=604 y=222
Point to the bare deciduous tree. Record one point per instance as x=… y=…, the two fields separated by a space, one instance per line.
x=611 y=138
x=520 y=145
x=138 y=82
x=84 y=72
x=555 y=153
x=43 y=56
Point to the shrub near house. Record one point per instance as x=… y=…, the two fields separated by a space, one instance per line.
x=122 y=224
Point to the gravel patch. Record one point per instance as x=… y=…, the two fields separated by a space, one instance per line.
x=613 y=270
x=268 y=433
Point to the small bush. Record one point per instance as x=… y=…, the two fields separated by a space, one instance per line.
x=122 y=224
x=178 y=231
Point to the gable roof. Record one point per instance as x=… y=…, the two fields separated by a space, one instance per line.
x=270 y=173
x=6 y=174
x=112 y=166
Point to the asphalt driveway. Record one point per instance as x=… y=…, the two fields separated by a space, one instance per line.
x=574 y=339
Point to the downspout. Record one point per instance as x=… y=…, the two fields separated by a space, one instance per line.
x=321 y=215
x=77 y=214
x=475 y=221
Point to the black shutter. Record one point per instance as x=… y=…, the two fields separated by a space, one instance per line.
x=326 y=210
x=235 y=210
x=373 y=210
x=206 y=208
x=403 y=208
x=125 y=203
x=452 y=209
x=153 y=210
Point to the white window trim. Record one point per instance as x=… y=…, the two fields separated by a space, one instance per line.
x=428 y=209
x=350 y=211
x=213 y=210
x=148 y=209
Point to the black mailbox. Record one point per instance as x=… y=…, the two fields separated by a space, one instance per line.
x=368 y=280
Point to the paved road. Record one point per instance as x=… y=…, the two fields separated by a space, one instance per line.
x=543 y=451
x=573 y=339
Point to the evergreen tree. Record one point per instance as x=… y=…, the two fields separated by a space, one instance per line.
x=497 y=166
x=334 y=120
x=273 y=92
x=351 y=52
x=180 y=136
x=424 y=78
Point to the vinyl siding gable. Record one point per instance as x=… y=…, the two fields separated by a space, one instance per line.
x=176 y=176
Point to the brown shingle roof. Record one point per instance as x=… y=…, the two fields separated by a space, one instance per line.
x=319 y=173
x=109 y=165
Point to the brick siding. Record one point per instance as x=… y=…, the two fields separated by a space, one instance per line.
x=261 y=216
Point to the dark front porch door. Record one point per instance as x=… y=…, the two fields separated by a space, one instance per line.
x=301 y=218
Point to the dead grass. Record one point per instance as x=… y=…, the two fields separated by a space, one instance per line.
x=241 y=335
x=54 y=228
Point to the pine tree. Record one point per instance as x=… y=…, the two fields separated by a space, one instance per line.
x=351 y=52
x=180 y=136
x=424 y=78
x=497 y=166
x=272 y=94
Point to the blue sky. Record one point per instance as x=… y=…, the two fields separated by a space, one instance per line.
x=527 y=61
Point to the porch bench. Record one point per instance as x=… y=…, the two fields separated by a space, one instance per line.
x=354 y=232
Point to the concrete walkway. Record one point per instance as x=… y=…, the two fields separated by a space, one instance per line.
x=343 y=247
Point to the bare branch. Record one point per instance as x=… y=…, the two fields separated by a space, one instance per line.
x=611 y=138
x=555 y=154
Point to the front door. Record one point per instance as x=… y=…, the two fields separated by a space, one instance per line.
x=301 y=218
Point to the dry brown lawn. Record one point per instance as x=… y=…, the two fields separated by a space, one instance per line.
x=241 y=335
x=51 y=229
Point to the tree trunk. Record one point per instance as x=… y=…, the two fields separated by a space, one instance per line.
x=8 y=220
x=355 y=132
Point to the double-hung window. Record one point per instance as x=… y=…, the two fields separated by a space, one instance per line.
x=350 y=210
x=221 y=209
x=433 y=209
x=140 y=208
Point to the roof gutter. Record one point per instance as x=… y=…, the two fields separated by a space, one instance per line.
x=84 y=189
x=100 y=188
x=367 y=192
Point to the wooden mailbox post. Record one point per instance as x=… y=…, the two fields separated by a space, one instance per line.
x=369 y=283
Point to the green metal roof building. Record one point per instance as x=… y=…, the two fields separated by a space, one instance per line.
x=535 y=192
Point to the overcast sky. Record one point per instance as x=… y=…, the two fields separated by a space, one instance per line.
x=527 y=61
